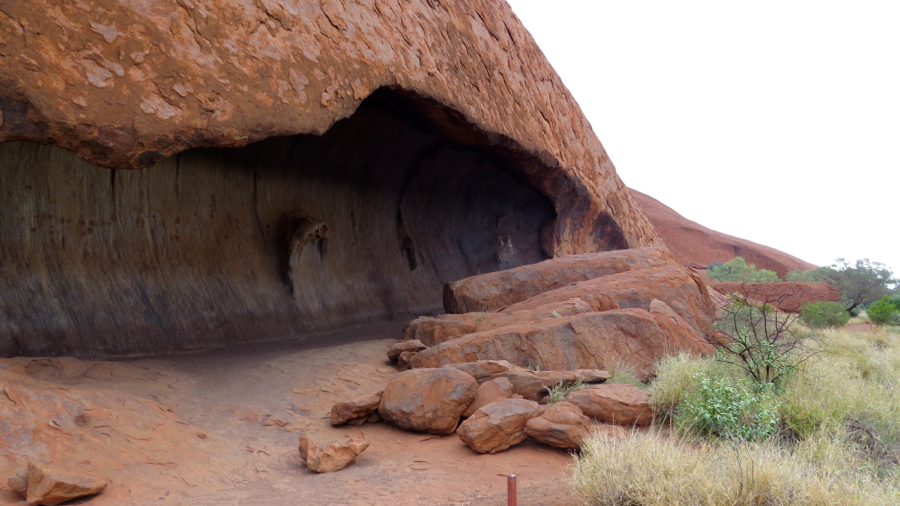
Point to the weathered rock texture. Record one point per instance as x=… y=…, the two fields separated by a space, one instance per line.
x=330 y=456
x=48 y=486
x=614 y=402
x=398 y=146
x=359 y=407
x=561 y=425
x=696 y=245
x=631 y=337
x=498 y=425
x=786 y=296
x=428 y=400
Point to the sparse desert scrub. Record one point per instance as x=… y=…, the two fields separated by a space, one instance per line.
x=835 y=437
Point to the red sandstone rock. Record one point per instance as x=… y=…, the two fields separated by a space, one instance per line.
x=676 y=286
x=614 y=402
x=360 y=407
x=330 y=456
x=491 y=391
x=631 y=337
x=786 y=296
x=485 y=370
x=561 y=425
x=49 y=486
x=433 y=330
x=534 y=385
x=496 y=290
x=403 y=360
x=301 y=229
x=498 y=425
x=427 y=400
x=695 y=244
x=18 y=483
x=412 y=346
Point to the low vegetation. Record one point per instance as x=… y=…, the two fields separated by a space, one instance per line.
x=827 y=431
x=737 y=269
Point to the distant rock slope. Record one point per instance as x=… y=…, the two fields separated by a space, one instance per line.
x=696 y=245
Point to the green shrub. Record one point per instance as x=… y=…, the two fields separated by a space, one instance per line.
x=738 y=270
x=726 y=409
x=820 y=275
x=883 y=311
x=820 y=315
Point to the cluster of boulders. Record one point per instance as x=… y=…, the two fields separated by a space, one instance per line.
x=42 y=484
x=509 y=337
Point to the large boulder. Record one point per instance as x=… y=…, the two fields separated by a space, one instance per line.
x=489 y=392
x=785 y=296
x=615 y=403
x=498 y=425
x=427 y=400
x=561 y=425
x=678 y=287
x=496 y=290
x=374 y=155
x=630 y=337
x=433 y=330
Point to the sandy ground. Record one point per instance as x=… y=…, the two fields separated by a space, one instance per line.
x=221 y=428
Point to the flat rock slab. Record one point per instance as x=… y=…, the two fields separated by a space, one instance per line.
x=498 y=425
x=631 y=337
x=411 y=345
x=615 y=403
x=534 y=385
x=677 y=286
x=496 y=290
x=561 y=425
x=433 y=330
x=427 y=400
x=330 y=456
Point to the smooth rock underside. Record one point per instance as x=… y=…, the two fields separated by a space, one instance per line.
x=304 y=166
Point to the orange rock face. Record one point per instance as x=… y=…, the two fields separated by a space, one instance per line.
x=498 y=290
x=427 y=400
x=614 y=402
x=374 y=154
x=786 y=296
x=592 y=340
x=498 y=425
x=561 y=425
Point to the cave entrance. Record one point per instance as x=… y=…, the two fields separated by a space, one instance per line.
x=281 y=237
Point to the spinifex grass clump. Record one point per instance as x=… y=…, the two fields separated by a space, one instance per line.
x=828 y=432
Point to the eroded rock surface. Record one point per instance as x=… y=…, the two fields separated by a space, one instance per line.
x=382 y=163
x=491 y=391
x=359 y=407
x=631 y=337
x=615 y=403
x=330 y=456
x=561 y=425
x=427 y=400
x=48 y=486
x=498 y=425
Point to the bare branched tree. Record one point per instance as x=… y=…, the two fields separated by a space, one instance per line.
x=762 y=340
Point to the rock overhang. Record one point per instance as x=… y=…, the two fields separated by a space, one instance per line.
x=482 y=98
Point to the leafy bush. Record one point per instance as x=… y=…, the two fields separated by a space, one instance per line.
x=738 y=270
x=820 y=275
x=727 y=410
x=820 y=315
x=884 y=311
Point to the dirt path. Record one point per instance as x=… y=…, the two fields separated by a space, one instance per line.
x=221 y=428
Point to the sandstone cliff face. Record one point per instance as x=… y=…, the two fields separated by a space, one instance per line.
x=349 y=159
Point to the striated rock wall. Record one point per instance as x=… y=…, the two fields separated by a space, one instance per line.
x=388 y=147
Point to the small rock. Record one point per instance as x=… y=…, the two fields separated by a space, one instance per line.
x=330 y=456
x=413 y=345
x=374 y=418
x=533 y=385
x=359 y=407
x=562 y=425
x=19 y=483
x=403 y=360
x=498 y=425
x=49 y=486
x=614 y=402
x=491 y=391
x=427 y=400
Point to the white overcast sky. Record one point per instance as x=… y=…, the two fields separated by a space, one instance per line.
x=774 y=121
